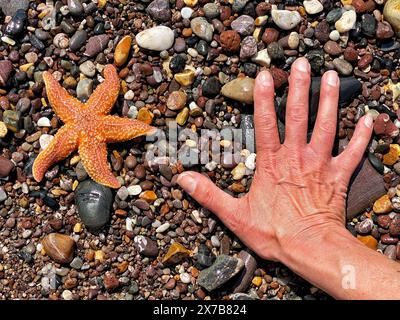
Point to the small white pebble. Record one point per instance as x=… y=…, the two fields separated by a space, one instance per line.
x=196 y=216
x=129 y=95
x=156 y=224
x=245 y=153
x=185 y=277
x=386 y=170
x=134 y=190
x=215 y=241
x=44 y=140
x=186 y=12
x=3 y=195
x=164 y=227
x=129 y=224
x=193 y=52
x=191 y=143
x=133 y=112
x=211 y=166
x=66 y=295
x=44 y=122
x=193 y=105
x=334 y=35
x=26 y=234
x=158 y=202
x=25 y=188
x=64 y=10
x=251 y=161
x=8 y=40
x=158 y=76
x=49 y=61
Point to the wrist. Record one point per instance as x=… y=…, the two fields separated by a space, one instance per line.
x=343 y=267
x=298 y=245
x=317 y=251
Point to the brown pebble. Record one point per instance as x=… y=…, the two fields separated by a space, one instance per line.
x=6 y=167
x=270 y=35
x=130 y=162
x=365 y=61
x=111 y=281
x=140 y=171
x=230 y=40
x=350 y=54
x=59 y=247
x=280 y=77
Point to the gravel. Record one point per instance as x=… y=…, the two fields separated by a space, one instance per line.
x=194 y=63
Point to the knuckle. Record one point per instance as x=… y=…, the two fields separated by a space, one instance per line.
x=327 y=126
x=208 y=198
x=298 y=112
x=268 y=122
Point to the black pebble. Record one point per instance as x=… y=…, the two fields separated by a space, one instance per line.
x=376 y=163
x=177 y=63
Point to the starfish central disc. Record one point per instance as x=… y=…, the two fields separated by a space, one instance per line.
x=88 y=128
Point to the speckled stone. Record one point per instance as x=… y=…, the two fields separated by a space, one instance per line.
x=222 y=270
x=202 y=28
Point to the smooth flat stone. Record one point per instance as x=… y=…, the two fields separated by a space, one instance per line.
x=366 y=186
x=93 y=201
x=391 y=12
x=239 y=89
x=59 y=247
x=346 y=21
x=202 y=28
x=286 y=19
x=158 y=38
x=224 y=268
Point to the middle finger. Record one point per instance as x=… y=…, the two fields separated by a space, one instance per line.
x=297 y=104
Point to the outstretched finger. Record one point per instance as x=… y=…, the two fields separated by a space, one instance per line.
x=296 y=118
x=324 y=131
x=349 y=159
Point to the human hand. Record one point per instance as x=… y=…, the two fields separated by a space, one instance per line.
x=298 y=192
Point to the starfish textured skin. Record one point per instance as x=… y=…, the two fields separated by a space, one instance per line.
x=88 y=128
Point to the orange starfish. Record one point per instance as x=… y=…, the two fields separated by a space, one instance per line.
x=87 y=128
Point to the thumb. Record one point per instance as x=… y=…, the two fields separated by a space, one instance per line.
x=350 y=158
x=205 y=192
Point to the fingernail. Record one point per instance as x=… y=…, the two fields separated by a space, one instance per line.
x=369 y=121
x=187 y=182
x=302 y=65
x=265 y=78
x=332 y=78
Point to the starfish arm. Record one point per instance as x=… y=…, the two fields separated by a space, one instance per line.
x=62 y=145
x=94 y=158
x=63 y=104
x=116 y=129
x=103 y=98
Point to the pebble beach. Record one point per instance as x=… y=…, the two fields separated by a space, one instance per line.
x=188 y=65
